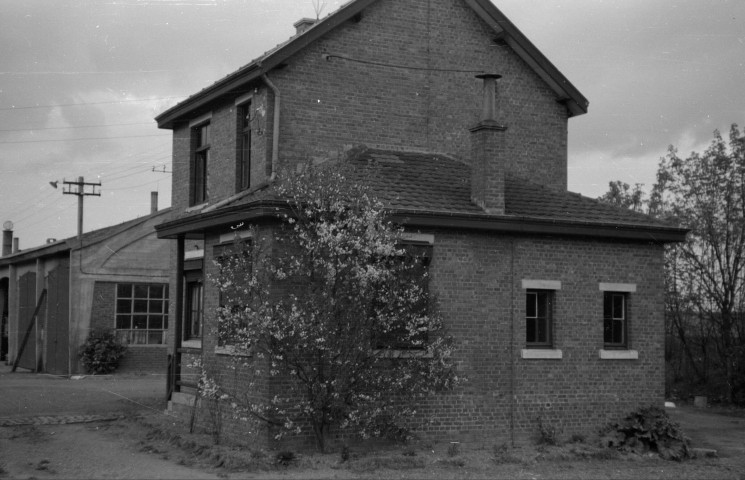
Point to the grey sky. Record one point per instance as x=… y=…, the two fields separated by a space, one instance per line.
x=80 y=83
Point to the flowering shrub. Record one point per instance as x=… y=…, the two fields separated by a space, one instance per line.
x=347 y=287
x=101 y=352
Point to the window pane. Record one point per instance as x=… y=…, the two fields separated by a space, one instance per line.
x=542 y=333
x=156 y=322
x=156 y=291
x=618 y=306
x=140 y=306
x=156 y=306
x=123 y=321
x=618 y=331
x=124 y=290
x=607 y=305
x=542 y=300
x=140 y=291
x=124 y=306
x=531 y=309
x=140 y=321
x=530 y=327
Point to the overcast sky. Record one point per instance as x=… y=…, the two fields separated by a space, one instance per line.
x=82 y=80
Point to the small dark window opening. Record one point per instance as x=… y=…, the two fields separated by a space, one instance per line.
x=201 y=150
x=244 y=147
x=194 y=310
x=237 y=256
x=615 y=320
x=539 y=318
x=398 y=338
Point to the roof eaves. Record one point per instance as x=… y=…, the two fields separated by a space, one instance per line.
x=261 y=65
x=529 y=225
x=568 y=93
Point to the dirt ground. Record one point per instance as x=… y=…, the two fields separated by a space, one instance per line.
x=153 y=445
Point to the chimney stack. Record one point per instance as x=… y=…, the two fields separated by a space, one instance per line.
x=7 y=238
x=153 y=202
x=16 y=245
x=303 y=25
x=488 y=161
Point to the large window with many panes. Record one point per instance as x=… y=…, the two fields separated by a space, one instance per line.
x=141 y=313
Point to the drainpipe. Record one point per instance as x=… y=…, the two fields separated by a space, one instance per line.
x=275 y=132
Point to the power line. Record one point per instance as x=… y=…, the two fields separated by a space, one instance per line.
x=86 y=138
x=78 y=126
x=28 y=107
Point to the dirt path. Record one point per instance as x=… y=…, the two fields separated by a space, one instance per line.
x=708 y=429
x=95 y=450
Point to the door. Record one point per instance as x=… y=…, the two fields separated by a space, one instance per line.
x=58 y=321
x=26 y=307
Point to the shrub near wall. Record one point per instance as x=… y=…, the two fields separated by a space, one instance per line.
x=139 y=358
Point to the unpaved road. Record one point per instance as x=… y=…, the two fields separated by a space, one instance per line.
x=124 y=448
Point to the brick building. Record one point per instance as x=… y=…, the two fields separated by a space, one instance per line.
x=114 y=279
x=555 y=300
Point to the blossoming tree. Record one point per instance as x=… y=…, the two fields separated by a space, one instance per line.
x=339 y=311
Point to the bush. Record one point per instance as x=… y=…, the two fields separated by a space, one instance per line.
x=101 y=352
x=647 y=429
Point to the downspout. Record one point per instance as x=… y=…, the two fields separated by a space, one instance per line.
x=275 y=130
x=513 y=394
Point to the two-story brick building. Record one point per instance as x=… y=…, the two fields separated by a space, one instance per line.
x=555 y=300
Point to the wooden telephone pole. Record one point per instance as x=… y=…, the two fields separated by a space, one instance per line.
x=80 y=191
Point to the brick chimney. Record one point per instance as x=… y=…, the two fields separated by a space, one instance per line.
x=488 y=152
x=304 y=24
x=7 y=239
x=153 y=202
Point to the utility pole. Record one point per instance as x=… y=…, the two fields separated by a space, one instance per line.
x=80 y=192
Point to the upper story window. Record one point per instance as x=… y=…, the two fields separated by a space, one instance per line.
x=243 y=177
x=200 y=160
x=615 y=320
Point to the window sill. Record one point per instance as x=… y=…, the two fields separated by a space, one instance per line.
x=541 y=354
x=230 y=350
x=196 y=208
x=618 y=354
x=391 y=353
x=191 y=344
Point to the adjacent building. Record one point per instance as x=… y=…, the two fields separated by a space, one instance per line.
x=114 y=279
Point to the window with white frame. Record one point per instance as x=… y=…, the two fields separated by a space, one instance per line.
x=540 y=319
x=141 y=313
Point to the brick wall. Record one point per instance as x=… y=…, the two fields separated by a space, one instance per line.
x=477 y=278
x=139 y=358
x=330 y=106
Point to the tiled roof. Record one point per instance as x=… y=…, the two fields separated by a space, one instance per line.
x=435 y=183
x=530 y=200
x=417 y=181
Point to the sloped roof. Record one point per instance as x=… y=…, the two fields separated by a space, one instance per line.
x=503 y=28
x=89 y=238
x=429 y=189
